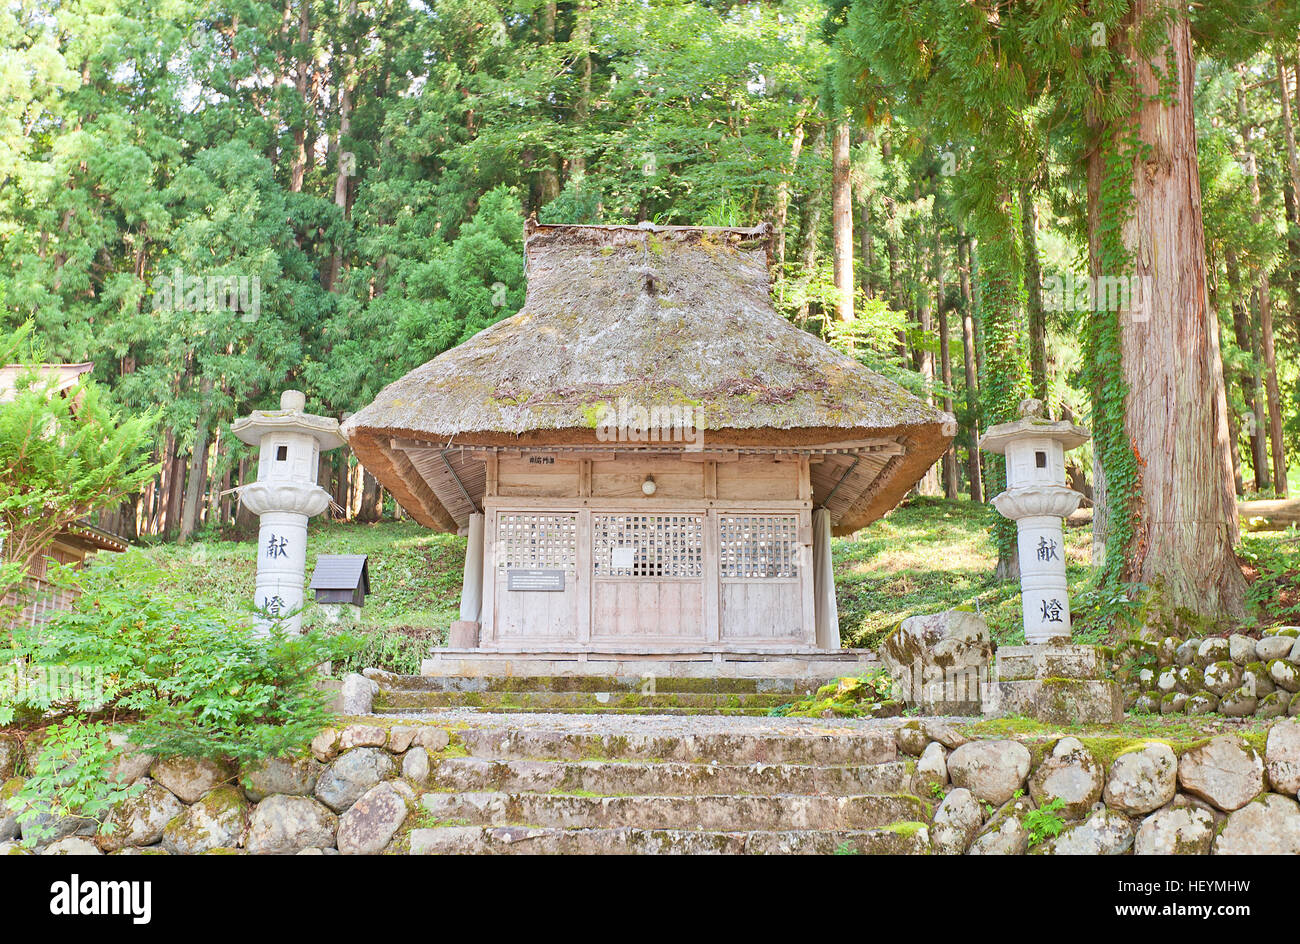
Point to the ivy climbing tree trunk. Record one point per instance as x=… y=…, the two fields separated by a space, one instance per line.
x=1177 y=411
x=945 y=367
x=973 y=473
x=1004 y=377
x=842 y=224
x=1034 y=295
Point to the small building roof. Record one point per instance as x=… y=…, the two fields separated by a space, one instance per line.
x=341 y=572
x=62 y=376
x=657 y=315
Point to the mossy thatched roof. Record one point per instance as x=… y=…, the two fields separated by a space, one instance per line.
x=661 y=316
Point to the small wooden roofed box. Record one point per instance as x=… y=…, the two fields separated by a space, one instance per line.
x=341 y=578
x=647 y=458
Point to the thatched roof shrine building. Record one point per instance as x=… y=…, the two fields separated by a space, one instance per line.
x=647 y=458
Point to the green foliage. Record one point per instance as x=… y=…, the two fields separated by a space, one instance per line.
x=389 y=649
x=927 y=555
x=849 y=696
x=1043 y=823
x=1102 y=609
x=70 y=779
x=1274 y=595
x=415 y=576
x=197 y=680
x=63 y=455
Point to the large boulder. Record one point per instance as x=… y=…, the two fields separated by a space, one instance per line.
x=931 y=770
x=357 y=695
x=1285 y=675
x=941 y=660
x=992 y=770
x=362 y=735
x=415 y=765
x=1269 y=826
x=956 y=822
x=129 y=764
x=190 y=778
x=10 y=750
x=1282 y=757
x=432 y=739
x=1273 y=647
x=1070 y=774
x=140 y=819
x=285 y=825
x=1005 y=833
x=1241 y=649
x=325 y=746
x=369 y=825
x=1227 y=772
x=353 y=773
x=1142 y=780
x=8 y=817
x=72 y=845
x=911 y=738
x=1213 y=649
x=1182 y=830
x=1222 y=677
x=294 y=776
x=218 y=821
x=1272 y=705
x=1105 y=832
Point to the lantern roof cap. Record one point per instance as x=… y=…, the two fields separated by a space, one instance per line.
x=290 y=418
x=1033 y=425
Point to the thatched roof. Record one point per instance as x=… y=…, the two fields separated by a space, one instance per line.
x=660 y=315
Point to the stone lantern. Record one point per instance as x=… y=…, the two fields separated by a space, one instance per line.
x=1050 y=678
x=284 y=496
x=1037 y=498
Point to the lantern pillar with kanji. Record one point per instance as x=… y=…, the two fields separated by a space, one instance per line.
x=284 y=496
x=1037 y=499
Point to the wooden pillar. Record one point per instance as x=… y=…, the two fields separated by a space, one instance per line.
x=465 y=631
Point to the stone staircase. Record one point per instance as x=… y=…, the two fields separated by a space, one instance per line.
x=568 y=783
x=582 y=694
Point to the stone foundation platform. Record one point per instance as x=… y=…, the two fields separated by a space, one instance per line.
x=1057 y=683
x=703 y=663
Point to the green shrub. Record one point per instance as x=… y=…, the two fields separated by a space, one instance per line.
x=192 y=680
x=70 y=778
x=1043 y=823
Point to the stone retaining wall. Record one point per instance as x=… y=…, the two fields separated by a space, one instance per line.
x=353 y=796
x=1236 y=676
x=359 y=793
x=1226 y=795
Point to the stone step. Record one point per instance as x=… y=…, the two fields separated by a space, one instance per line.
x=610 y=684
x=642 y=742
x=897 y=839
x=389 y=700
x=606 y=778
x=712 y=812
x=590 y=710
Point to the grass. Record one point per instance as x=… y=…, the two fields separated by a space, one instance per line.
x=415 y=578
x=926 y=555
